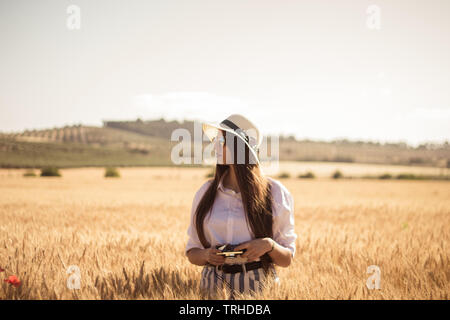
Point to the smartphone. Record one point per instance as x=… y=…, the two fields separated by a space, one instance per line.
x=229 y=253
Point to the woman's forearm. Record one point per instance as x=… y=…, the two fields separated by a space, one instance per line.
x=197 y=256
x=280 y=255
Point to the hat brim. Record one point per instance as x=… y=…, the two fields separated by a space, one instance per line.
x=211 y=130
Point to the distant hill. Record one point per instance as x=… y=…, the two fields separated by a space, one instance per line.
x=154 y=128
x=147 y=143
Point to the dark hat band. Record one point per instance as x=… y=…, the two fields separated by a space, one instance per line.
x=236 y=129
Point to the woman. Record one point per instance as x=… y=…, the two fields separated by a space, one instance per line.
x=243 y=208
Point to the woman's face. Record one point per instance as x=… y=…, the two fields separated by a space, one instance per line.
x=222 y=150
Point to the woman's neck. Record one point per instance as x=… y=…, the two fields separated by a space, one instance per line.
x=230 y=180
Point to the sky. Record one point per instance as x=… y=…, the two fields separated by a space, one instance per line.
x=323 y=70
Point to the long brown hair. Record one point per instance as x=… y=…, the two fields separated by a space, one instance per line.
x=256 y=195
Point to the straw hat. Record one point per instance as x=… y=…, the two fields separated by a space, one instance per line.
x=239 y=126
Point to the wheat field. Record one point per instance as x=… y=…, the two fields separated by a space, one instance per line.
x=127 y=236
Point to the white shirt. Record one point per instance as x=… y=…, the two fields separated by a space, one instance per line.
x=227 y=224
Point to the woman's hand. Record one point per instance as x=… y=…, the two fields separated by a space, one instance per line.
x=210 y=256
x=255 y=248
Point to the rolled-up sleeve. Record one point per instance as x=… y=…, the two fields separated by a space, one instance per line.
x=193 y=239
x=283 y=226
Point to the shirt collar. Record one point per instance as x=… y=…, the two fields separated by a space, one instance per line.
x=222 y=188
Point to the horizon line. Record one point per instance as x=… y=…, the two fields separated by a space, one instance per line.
x=284 y=135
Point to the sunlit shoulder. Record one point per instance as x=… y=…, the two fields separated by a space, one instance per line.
x=280 y=193
x=278 y=186
x=204 y=187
